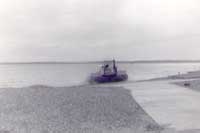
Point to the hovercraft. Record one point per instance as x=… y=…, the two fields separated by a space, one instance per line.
x=109 y=73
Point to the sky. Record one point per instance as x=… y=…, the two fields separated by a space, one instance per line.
x=89 y=30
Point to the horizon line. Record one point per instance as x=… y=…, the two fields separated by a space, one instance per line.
x=119 y=61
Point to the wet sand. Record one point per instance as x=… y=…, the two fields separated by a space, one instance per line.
x=174 y=107
x=81 y=109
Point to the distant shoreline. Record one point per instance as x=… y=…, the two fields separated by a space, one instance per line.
x=94 y=62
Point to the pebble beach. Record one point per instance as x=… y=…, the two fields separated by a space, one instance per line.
x=78 y=109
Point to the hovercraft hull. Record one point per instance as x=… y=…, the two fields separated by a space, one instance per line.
x=99 y=78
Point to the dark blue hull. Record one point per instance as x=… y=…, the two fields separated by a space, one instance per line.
x=97 y=77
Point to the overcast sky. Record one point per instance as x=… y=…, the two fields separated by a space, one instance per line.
x=74 y=30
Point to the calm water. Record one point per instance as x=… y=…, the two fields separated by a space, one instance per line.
x=18 y=75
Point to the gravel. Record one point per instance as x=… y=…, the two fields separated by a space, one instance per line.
x=78 y=109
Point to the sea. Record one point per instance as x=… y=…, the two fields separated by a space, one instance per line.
x=72 y=74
